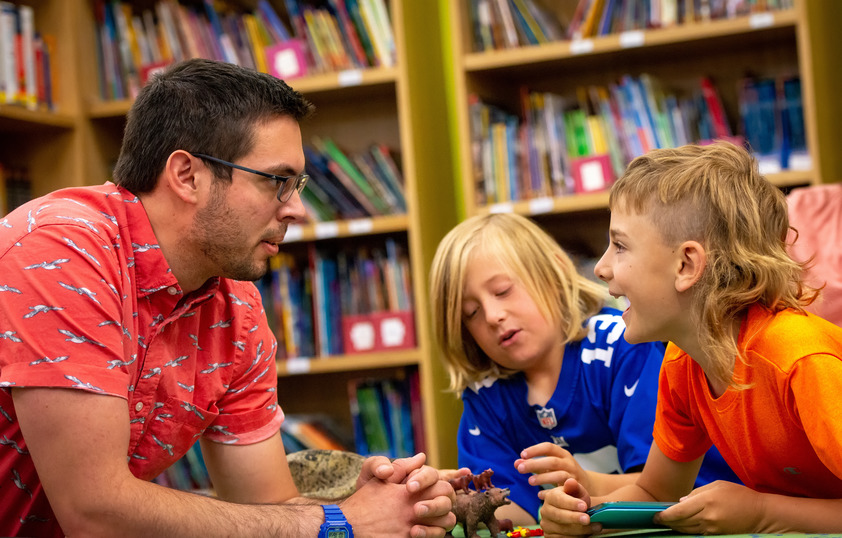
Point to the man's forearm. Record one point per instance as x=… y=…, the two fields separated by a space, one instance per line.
x=145 y=509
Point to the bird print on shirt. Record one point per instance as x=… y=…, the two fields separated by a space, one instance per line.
x=40 y=309
x=49 y=266
x=78 y=339
x=81 y=291
x=81 y=250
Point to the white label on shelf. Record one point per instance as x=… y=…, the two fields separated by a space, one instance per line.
x=592 y=177
x=294 y=233
x=504 y=207
x=350 y=77
x=632 y=39
x=581 y=46
x=327 y=229
x=541 y=205
x=298 y=366
x=761 y=20
x=800 y=161
x=769 y=165
x=360 y=226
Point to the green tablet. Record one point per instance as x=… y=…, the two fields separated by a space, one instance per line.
x=627 y=515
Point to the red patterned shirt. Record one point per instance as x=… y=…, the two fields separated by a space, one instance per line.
x=87 y=301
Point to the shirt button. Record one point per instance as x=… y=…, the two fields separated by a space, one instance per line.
x=171 y=290
x=138 y=406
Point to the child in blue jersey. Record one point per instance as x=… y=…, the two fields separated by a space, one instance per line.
x=550 y=388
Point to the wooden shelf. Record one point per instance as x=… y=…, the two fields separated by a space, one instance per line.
x=346 y=228
x=744 y=27
x=347 y=363
x=18 y=118
x=599 y=200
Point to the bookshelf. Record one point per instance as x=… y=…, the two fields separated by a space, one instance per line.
x=399 y=105
x=801 y=39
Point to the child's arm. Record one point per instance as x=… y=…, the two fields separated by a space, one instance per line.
x=551 y=464
x=727 y=508
x=662 y=479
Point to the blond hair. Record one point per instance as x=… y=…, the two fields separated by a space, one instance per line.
x=716 y=195
x=534 y=259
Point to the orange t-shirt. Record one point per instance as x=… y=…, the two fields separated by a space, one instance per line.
x=783 y=434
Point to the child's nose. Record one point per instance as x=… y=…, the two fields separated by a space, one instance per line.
x=601 y=269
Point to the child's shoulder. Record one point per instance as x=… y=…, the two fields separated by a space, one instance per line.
x=495 y=386
x=796 y=333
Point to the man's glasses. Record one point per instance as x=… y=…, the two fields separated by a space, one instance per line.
x=288 y=184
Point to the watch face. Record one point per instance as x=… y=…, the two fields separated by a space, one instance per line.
x=336 y=532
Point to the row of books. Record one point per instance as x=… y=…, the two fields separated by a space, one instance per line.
x=343 y=34
x=307 y=299
x=348 y=185
x=313 y=431
x=26 y=72
x=325 y=35
x=387 y=416
x=15 y=188
x=504 y=24
x=539 y=152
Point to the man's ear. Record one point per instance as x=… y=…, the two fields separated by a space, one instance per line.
x=180 y=175
x=692 y=262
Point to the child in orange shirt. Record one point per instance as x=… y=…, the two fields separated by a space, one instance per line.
x=698 y=247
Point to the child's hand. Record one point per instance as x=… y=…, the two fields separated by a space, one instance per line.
x=717 y=508
x=563 y=513
x=550 y=464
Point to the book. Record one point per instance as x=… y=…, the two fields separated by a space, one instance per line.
x=272 y=21
x=310 y=431
x=372 y=415
x=350 y=37
x=27 y=91
x=8 y=52
x=366 y=195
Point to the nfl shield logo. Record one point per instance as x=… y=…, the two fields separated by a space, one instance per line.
x=547 y=418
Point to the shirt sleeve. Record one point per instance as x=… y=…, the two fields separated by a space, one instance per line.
x=676 y=433
x=634 y=395
x=488 y=440
x=62 y=312
x=249 y=411
x=814 y=388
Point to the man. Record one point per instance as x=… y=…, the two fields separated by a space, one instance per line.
x=128 y=329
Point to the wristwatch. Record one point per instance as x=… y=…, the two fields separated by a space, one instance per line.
x=335 y=525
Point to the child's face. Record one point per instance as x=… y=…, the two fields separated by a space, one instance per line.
x=503 y=318
x=641 y=267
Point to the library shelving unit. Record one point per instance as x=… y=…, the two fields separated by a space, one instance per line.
x=802 y=40
x=78 y=143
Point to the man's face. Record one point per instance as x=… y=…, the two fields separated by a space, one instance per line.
x=242 y=223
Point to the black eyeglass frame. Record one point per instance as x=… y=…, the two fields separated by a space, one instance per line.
x=283 y=195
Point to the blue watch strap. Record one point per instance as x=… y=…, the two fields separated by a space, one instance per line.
x=335 y=524
x=333 y=515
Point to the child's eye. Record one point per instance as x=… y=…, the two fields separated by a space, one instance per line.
x=470 y=315
x=618 y=246
x=504 y=292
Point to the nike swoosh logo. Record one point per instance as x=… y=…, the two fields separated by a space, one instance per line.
x=474 y=431
x=630 y=390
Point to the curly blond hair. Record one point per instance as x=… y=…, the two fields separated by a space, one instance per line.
x=535 y=260
x=716 y=195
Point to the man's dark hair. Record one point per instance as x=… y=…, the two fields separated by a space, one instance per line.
x=201 y=106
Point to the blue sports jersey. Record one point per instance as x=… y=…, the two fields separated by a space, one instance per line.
x=602 y=411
